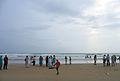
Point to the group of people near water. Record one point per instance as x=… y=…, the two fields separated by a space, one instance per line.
x=50 y=62
x=106 y=60
x=5 y=62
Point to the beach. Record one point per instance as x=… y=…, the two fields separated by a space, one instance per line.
x=74 y=72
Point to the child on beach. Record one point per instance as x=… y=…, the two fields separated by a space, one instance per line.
x=57 y=66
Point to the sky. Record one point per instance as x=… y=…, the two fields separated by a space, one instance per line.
x=60 y=26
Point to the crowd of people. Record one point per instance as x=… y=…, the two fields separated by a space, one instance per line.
x=51 y=62
x=106 y=60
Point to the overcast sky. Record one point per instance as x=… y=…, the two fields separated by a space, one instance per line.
x=85 y=26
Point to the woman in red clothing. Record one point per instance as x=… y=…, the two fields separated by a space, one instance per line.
x=57 y=66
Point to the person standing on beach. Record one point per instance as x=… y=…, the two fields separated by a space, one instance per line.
x=31 y=60
x=50 y=62
x=54 y=60
x=119 y=59
x=115 y=58
x=65 y=59
x=41 y=60
x=5 y=62
x=104 y=60
x=26 y=61
x=46 y=61
x=70 y=59
x=108 y=60
x=1 y=62
x=95 y=59
x=57 y=66
x=112 y=60
x=34 y=61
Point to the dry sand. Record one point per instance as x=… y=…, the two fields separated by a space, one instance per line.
x=75 y=72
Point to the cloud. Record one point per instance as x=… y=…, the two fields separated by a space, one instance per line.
x=59 y=26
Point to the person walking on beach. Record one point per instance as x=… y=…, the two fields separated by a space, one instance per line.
x=54 y=60
x=70 y=59
x=41 y=60
x=65 y=59
x=95 y=59
x=34 y=61
x=26 y=61
x=5 y=62
x=108 y=60
x=1 y=62
x=104 y=60
x=46 y=61
x=57 y=66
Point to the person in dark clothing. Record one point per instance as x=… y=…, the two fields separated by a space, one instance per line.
x=104 y=60
x=95 y=59
x=65 y=59
x=34 y=61
x=5 y=62
x=46 y=61
x=70 y=59
x=108 y=60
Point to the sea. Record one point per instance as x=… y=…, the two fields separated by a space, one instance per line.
x=77 y=58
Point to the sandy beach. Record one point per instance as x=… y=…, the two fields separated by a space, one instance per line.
x=76 y=72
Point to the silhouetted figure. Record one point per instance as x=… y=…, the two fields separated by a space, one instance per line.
x=41 y=60
x=1 y=62
x=104 y=60
x=70 y=59
x=46 y=61
x=65 y=59
x=5 y=62
x=95 y=59
x=108 y=60
x=115 y=59
x=34 y=61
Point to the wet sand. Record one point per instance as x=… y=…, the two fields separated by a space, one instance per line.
x=75 y=72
